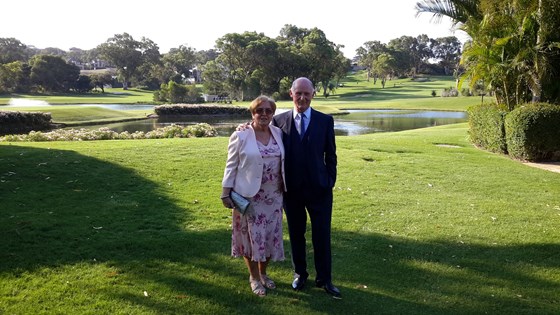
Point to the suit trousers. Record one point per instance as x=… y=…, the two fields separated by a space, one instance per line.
x=318 y=204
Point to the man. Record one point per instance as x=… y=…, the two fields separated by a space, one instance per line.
x=310 y=167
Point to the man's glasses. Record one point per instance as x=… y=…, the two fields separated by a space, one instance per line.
x=261 y=111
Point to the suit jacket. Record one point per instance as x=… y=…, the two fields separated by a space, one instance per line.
x=244 y=165
x=320 y=147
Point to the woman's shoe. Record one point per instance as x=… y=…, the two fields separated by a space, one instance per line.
x=267 y=282
x=257 y=287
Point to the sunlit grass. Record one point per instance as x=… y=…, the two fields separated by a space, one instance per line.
x=76 y=115
x=423 y=223
x=111 y=96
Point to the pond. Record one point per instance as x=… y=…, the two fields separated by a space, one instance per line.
x=356 y=122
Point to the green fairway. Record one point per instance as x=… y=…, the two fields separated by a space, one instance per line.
x=111 y=96
x=423 y=223
x=79 y=115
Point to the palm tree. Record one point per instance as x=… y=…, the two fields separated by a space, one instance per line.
x=514 y=45
x=460 y=11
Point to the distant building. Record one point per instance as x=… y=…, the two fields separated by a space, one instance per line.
x=210 y=97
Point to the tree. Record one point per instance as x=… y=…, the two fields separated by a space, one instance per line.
x=214 y=76
x=240 y=55
x=12 y=50
x=99 y=80
x=128 y=55
x=10 y=76
x=448 y=51
x=148 y=72
x=515 y=47
x=316 y=57
x=52 y=73
x=52 y=51
x=368 y=53
x=410 y=52
x=383 y=67
x=203 y=56
x=180 y=61
x=83 y=84
x=460 y=11
x=178 y=93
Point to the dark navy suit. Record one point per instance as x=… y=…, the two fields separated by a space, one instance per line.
x=310 y=167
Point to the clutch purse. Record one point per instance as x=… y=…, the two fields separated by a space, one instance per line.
x=240 y=202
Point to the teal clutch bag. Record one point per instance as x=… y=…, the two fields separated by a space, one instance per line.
x=240 y=202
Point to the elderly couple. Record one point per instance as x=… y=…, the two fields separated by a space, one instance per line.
x=285 y=162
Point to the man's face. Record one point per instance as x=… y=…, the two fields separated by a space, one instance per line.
x=302 y=93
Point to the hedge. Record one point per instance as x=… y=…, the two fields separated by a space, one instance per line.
x=533 y=132
x=20 y=122
x=198 y=109
x=486 y=126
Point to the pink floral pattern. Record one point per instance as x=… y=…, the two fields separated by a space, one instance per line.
x=258 y=233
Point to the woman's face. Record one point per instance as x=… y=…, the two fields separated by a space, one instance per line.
x=263 y=114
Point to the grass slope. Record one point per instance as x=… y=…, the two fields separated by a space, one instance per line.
x=423 y=223
x=111 y=96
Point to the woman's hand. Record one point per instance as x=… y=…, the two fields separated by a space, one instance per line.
x=226 y=199
x=227 y=202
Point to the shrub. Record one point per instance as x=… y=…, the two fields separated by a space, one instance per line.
x=533 y=132
x=173 y=92
x=171 y=131
x=486 y=127
x=18 y=122
x=466 y=92
x=450 y=92
x=197 y=109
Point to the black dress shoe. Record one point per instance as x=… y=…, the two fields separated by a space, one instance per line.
x=299 y=282
x=329 y=288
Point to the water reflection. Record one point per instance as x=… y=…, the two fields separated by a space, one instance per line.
x=357 y=122
x=370 y=121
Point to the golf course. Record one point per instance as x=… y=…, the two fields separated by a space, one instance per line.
x=423 y=221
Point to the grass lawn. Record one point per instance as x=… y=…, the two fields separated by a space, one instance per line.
x=80 y=115
x=111 y=96
x=423 y=223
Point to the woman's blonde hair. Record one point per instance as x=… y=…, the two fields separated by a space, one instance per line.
x=262 y=99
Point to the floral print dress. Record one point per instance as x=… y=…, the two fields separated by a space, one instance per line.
x=258 y=233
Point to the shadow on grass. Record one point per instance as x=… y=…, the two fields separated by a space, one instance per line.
x=60 y=208
x=404 y=276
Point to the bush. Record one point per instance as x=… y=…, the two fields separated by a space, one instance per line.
x=20 y=122
x=198 y=109
x=466 y=92
x=178 y=93
x=450 y=92
x=171 y=131
x=533 y=132
x=486 y=127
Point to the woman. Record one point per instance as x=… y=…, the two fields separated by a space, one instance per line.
x=255 y=170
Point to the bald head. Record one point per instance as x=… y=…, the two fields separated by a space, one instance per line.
x=302 y=93
x=302 y=81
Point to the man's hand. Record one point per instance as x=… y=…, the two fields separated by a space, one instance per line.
x=242 y=127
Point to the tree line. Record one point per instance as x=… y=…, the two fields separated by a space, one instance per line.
x=410 y=56
x=240 y=67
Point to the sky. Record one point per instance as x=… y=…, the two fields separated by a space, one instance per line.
x=198 y=24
